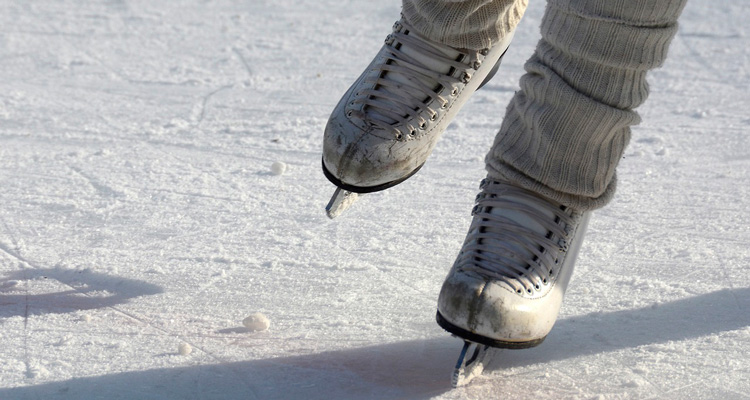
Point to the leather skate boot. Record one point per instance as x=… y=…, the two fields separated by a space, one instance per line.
x=387 y=123
x=507 y=284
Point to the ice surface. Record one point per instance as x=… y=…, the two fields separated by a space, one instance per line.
x=137 y=212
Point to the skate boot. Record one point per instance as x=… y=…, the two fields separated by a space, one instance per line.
x=507 y=284
x=388 y=122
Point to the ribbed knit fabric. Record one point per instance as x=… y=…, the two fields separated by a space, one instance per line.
x=566 y=129
x=464 y=24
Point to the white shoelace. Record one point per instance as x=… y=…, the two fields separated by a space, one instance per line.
x=407 y=83
x=516 y=237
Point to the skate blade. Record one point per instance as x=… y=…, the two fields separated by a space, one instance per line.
x=470 y=363
x=341 y=200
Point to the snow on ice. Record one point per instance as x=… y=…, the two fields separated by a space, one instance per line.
x=256 y=322
x=278 y=168
x=184 y=349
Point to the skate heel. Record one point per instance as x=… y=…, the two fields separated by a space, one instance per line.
x=493 y=71
x=506 y=41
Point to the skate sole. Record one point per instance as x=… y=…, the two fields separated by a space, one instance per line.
x=473 y=337
x=365 y=189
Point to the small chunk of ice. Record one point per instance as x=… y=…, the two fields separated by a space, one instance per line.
x=256 y=322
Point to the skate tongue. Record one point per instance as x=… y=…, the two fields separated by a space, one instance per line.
x=427 y=60
x=521 y=253
x=522 y=218
x=419 y=56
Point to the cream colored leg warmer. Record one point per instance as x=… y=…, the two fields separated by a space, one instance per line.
x=466 y=24
x=566 y=129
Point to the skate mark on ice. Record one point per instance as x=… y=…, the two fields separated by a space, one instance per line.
x=103 y=189
x=204 y=105
x=195 y=195
x=244 y=62
x=428 y=297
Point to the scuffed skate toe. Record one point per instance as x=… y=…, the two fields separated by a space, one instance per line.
x=368 y=161
x=483 y=311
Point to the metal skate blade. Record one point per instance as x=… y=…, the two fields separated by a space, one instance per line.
x=470 y=363
x=341 y=200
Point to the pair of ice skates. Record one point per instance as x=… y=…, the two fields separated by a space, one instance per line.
x=507 y=284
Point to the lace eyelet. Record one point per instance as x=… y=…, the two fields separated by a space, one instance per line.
x=454 y=92
x=422 y=126
x=349 y=113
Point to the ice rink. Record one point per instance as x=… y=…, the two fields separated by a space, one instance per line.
x=141 y=214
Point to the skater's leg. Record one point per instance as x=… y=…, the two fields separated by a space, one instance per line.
x=468 y=24
x=565 y=130
x=387 y=124
x=553 y=160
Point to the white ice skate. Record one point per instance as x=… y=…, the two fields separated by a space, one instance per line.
x=507 y=284
x=388 y=122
